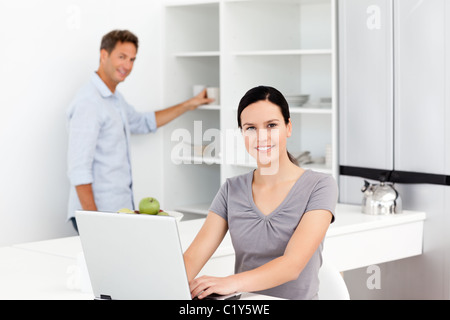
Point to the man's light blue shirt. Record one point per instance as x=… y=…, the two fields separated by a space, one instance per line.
x=100 y=124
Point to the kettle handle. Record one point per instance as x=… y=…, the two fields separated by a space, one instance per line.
x=366 y=186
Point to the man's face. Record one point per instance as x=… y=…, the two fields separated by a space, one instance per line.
x=118 y=64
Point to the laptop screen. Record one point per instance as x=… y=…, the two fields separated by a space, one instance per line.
x=133 y=256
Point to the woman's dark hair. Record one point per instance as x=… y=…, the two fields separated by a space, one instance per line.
x=265 y=93
x=110 y=40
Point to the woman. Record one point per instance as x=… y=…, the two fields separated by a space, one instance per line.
x=277 y=215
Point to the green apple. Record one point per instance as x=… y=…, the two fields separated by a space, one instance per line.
x=149 y=205
x=125 y=210
x=162 y=213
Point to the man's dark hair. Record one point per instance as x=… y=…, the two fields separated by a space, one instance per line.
x=110 y=40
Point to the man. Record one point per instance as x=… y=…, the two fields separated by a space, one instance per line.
x=100 y=124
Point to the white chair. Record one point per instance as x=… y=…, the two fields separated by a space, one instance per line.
x=332 y=285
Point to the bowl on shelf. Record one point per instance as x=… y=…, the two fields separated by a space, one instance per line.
x=297 y=100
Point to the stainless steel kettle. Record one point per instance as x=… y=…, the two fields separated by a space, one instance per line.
x=381 y=199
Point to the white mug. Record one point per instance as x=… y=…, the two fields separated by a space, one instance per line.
x=213 y=93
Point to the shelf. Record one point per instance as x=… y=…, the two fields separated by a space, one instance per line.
x=313 y=166
x=306 y=110
x=281 y=1
x=180 y=3
x=196 y=54
x=199 y=160
x=211 y=160
x=309 y=110
x=209 y=107
x=283 y=52
x=318 y=167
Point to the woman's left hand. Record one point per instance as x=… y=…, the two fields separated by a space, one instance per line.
x=206 y=285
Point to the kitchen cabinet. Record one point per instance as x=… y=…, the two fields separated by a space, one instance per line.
x=366 y=83
x=420 y=86
x=399 y=131
x=237 y=45
x=411 y=143
x=393 y=74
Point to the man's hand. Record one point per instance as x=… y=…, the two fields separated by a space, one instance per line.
x=199 y=100
x=165 y=116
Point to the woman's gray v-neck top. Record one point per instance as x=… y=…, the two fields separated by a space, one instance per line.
x=258 y=239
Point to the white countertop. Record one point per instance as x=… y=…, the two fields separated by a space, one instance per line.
x=45 y=269
x=357 y=240
x=350 y=219
x=33 y=275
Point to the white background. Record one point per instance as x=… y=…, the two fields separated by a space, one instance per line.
x=48 y=50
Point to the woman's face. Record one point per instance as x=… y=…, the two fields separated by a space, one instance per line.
x=265 y=132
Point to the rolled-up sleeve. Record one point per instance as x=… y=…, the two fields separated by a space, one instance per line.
x=84 y=127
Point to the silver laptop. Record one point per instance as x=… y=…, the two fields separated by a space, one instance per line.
x=132 y=256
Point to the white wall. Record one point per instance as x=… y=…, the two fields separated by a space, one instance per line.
x=48 y=50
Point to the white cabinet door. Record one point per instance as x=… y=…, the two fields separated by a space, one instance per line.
x=447 y=81
x=420 y=86
x=447 y=87
x=366 y=83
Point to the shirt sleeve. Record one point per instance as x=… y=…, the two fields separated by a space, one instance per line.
x=219 y=204
x=140 y=122
x=84 y=127
x=324 y=196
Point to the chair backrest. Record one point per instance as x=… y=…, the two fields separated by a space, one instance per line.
x=332 y=285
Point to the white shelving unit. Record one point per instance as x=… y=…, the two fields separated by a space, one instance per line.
x=197 y=54
x=282 y=52
x=237 y=45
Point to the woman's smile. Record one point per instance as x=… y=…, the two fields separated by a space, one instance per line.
x=264 y=148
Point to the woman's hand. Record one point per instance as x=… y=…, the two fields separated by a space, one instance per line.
x=206 y=285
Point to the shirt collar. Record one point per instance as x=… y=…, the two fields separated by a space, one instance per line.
x=101 y=86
